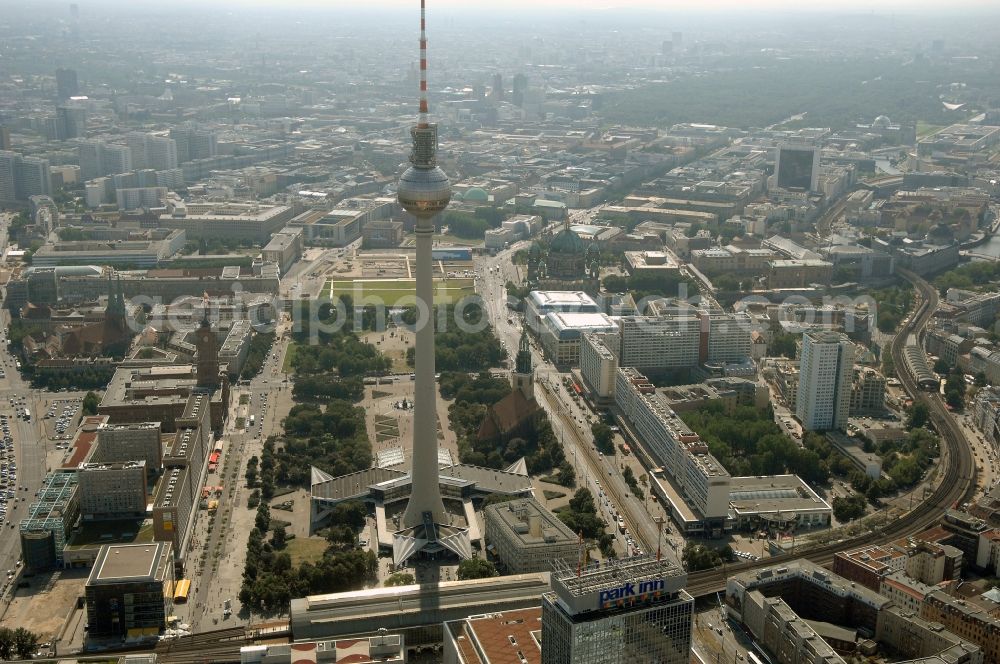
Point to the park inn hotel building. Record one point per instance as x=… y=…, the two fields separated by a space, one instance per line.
x=633 y=611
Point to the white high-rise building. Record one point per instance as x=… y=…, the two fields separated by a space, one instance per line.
x=98 y=158
x=8 y=168
x=117 y=159
x=152 y=151
x=91 y=163
x=825 y=372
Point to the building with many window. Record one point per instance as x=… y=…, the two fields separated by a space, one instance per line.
x=598 y=366
x=561 y=333
x=139 y=441
x=112 y=490
x=125 y=591
x=700 y=480
x=633 y=611
x=284 y=248
x=51 y=517
x=825 y=372
x=526 y=537
x=867 y=392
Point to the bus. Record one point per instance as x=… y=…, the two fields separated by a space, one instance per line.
x=181 y=590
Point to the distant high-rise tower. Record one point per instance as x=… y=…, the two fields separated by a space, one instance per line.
x=66 y=84
x=424 y=191
x=497 y=92
x=207 y=355
x=826 y=370
x=74 y=23
x=5 y=143
x=520 y=87
x=71 y=122
x=8 y=176
x=678 y=39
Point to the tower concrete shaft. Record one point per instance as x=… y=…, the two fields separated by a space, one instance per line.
x=424 y=191
x=426 y=490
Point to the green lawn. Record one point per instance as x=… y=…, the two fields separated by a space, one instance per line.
x=286 y=366
x=306 y=549
x=925 y=129
x=398 y=292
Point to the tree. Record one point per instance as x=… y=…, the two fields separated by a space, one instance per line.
x=582 y=501
x=917 y=417
x=847 y=509
x=279 y=539
x=603 y=438
x=251 y=474
x=941 y=366
x=783 y=345
x=698 y=557
x=263 y=520
x=90 y=403
x=476 y=568
x=6 y=642
x=565 y=476
x=399 y=579
x=25 y=642
x=254 y=499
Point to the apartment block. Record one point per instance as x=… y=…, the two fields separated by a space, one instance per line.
x=112 y=490
x=824 y=389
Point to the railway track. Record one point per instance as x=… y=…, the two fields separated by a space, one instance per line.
x=206 y=647
x=956 y=485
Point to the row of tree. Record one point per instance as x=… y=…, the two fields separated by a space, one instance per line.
x=582 y=518
x=342 y=353
x=321 y=387
x=260 y=347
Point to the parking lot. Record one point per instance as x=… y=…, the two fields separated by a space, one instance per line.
x=63 y=415
x=8 y=473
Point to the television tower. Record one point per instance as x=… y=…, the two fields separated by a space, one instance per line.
x=424 y=191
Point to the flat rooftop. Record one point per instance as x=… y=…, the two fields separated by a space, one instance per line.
x=510 y=637
x=517 y=517
x=579 y=320
x=773 y=493
x=544 y=299
x=128 y=562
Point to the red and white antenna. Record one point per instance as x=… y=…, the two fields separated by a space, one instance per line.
x=423 y=64
x=579 y=556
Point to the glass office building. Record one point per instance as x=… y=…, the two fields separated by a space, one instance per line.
x=634 y=611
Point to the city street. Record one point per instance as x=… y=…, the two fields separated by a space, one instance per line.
x=224 y=543
x=569 y=420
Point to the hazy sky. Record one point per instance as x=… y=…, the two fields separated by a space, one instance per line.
x=667 y=6
x=663 y=5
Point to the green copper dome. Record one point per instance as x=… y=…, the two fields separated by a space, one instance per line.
x=567 y=242
x=476 y=195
